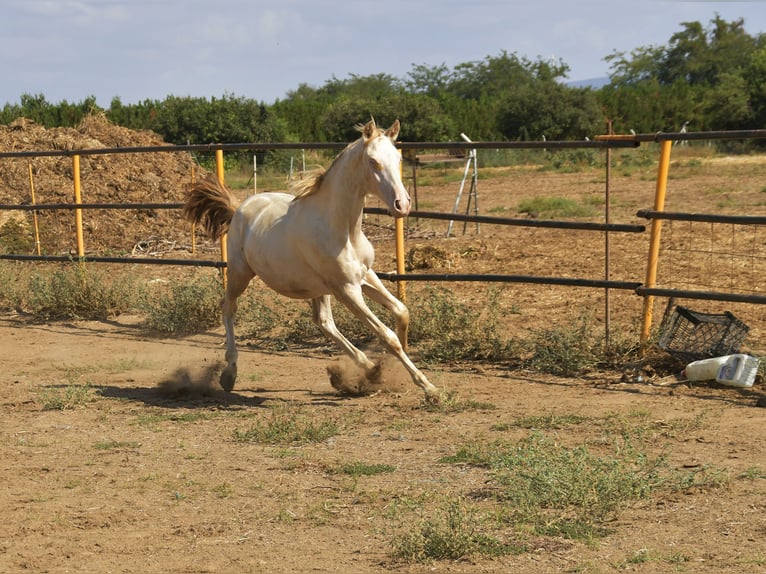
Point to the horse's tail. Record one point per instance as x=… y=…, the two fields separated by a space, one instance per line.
x=210 y=202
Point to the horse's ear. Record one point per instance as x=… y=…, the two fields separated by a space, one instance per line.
x=369 y=129
x=393 y=131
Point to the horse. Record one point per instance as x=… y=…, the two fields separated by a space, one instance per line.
x=309 y=245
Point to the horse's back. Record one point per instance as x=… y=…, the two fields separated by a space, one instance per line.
x=266 y=236
x=263 y=208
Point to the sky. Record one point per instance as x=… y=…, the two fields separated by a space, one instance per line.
x=256 y=49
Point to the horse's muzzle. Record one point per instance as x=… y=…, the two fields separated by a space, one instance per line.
x=401 y=207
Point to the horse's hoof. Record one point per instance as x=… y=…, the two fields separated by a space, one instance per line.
x=375 y=374
x=227 y=379
x=434 y=397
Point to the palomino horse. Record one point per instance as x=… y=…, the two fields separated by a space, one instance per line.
x=311 y=246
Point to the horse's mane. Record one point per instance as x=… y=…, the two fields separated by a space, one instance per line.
x=311 y=181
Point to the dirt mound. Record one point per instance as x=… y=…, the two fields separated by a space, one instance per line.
x=157 y=177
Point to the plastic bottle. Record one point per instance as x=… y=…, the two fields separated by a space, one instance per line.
x=734 y=370
x=738 y=371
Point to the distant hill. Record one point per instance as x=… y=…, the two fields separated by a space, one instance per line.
x=594 y=83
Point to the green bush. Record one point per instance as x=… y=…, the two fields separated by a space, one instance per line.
x=444 y=329
x=79 y=291
x=185 y=308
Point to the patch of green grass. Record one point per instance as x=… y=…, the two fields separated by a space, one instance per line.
x=79 y=291
x=753 y=473
x=639 y=424
x=451 y=402
x=288 y=425
x=561 y=491
x=71 y=396
x=116 y=445
x=454 y=530
x=549 y=421
x=223 y=490
x=357 y=469
x=444 y=329
x=571 y=492
x=185 y=308
x=153 y=419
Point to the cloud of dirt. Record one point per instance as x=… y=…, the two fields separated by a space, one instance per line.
x=387 y=376
x=184 y=384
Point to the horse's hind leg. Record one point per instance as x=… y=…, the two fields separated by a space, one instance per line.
x=237 y=279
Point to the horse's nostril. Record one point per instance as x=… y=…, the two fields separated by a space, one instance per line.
x=398 y=205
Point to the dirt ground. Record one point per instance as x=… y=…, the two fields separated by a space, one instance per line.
x=109 y=466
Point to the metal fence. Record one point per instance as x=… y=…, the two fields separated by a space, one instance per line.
x=647 y=289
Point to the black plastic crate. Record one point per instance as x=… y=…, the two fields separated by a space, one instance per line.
x=692 y=335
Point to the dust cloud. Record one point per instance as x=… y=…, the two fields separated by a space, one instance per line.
x=185 y=384
x=350 y=379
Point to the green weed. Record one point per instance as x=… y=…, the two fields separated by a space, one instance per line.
x=445 y=329
x=71 y=396
x=357 y=469
x=453 y=531
x=185 y=308
x=563 y=352
x=561 y=491
x=115 y=445
x=15 y=237
x=288 y=425
x=78 y=291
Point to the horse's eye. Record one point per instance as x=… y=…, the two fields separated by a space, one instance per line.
x=376 y=164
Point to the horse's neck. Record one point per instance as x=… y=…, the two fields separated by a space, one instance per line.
x=343 y=197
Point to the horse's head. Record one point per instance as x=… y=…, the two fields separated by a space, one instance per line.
x=384 y=162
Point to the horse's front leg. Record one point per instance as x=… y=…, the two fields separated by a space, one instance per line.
x=321 y=313
x=376 y=291
x=351 y=297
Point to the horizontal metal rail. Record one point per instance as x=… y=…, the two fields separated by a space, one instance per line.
x=566 y=281
x=685 y=136
x=96 y=259
x=269 y=146
x=703 y=217
x=599 y=142
x=520 y=222
x=71 y=206
x=702 y=295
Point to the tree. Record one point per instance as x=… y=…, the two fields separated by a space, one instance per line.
x=432 y=81
x=755 y=76
x=702 y=76
x=550 y=110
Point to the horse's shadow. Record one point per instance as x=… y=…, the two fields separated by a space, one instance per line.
x=182 y=389
x=193 y=399
x=200 y=391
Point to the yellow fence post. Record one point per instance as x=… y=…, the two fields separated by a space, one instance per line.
x=193 y=226
x=654 y=239
x=78 y=201
x=401 y=285
x=219 y=171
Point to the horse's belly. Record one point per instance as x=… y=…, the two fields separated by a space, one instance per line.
x=290 y=253
x=283 y=271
